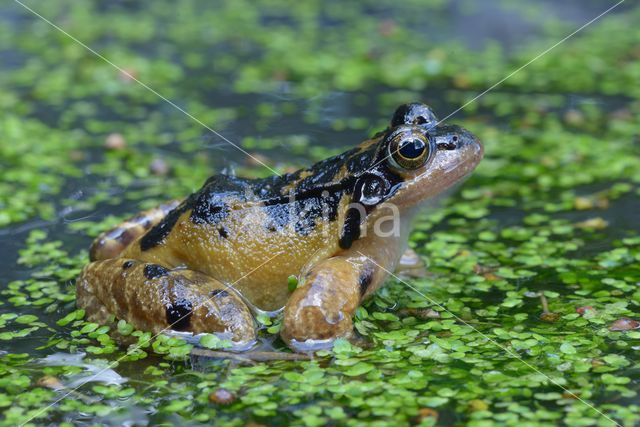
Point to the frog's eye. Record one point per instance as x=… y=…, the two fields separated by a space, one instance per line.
x=409 y=150
x=414 y=114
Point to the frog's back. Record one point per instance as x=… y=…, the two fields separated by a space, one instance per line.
x=234 y=225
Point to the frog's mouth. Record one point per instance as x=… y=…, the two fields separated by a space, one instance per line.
x=458 y=153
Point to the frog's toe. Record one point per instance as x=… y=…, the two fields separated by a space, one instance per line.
x=411 y=265
x=312 y=328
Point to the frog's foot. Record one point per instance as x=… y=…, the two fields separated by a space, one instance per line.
x=112 y=242
x=321 y=309
x=154 y=298
x=411 y=265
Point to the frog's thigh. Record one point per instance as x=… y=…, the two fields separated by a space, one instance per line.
x=321 y=309
x=154 y=298
x=411 y=265
x=112 y=242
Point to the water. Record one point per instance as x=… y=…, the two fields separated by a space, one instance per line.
x=324 y=121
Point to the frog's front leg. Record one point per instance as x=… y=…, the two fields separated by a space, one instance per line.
x=322 y=308
x=154 y=298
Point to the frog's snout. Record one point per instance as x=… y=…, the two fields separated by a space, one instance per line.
x=471 y=145
x=466 y=146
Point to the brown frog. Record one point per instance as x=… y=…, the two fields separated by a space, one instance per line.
x=207 y=263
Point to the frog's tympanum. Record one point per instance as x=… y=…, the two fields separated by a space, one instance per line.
x=210 y=262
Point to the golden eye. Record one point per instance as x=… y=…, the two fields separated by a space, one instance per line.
x=409 y=150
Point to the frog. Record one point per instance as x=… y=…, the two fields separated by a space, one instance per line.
x=215 y=261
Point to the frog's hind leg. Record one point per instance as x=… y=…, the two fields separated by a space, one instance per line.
x=112 y=242
x=154 y=298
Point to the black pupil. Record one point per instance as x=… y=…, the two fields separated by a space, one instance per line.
x=412 y=148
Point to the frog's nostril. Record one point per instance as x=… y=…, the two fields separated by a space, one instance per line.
x=447 y=146
x=449 y=143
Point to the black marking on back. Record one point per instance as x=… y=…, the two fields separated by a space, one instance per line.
x=278 y=216
x=318 y=195
x=159 y=232
x=223 y=232
x=205 y=213
x=209 y=205
x=179 y=314
x=154 y=271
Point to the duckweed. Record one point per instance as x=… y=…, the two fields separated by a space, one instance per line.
x=550 y=215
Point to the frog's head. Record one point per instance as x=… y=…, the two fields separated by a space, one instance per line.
x=418 y=158
x=415 y=159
